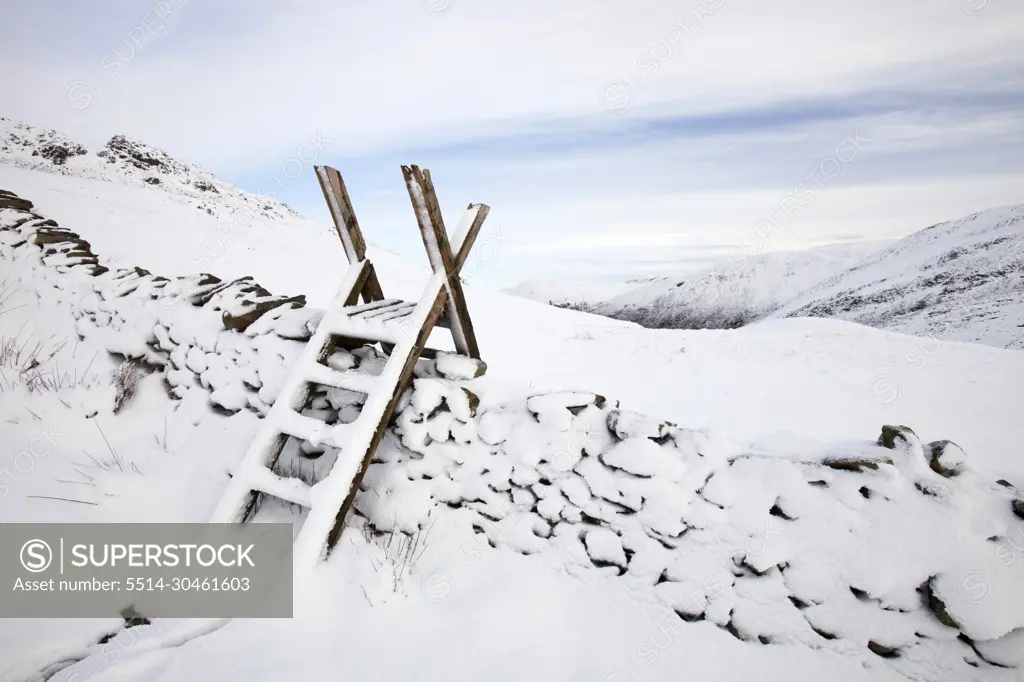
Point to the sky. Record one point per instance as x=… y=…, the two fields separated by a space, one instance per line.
x=613 y=140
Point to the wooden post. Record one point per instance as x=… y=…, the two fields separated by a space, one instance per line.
x=435 y=240
x=347 y=226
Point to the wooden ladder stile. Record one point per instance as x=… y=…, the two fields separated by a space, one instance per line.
x=402 y=328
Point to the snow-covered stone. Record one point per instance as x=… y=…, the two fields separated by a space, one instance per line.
x=459 y=367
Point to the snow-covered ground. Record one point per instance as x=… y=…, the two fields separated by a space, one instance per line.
x=569 y=293
x=561 y=544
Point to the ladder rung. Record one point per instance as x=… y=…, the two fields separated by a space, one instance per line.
x=397 y=313
x=355 y=327
x=289 y=489
x=315 y=431
x=387 y=311
x=352 y=380
x=383 y=309
x=372 y=305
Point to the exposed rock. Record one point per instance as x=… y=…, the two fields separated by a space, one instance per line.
x=937 y=606
x=1018 y=508
x=882 y=650
x=891 y=434
x=58 y=153
x=12 y=201
x=141 y=155
x=48 y=236
x=474 y=401
x=205 y=186
x=779 y=512
x=946 y=458
x=253 y=311
x=824 y=634
x=209 y=286
x=854 y=463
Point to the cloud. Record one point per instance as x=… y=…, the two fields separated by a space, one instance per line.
x=730 y=104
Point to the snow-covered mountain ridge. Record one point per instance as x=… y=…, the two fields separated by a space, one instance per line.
x=130 y=162
x=961 y=280
x=731 y=294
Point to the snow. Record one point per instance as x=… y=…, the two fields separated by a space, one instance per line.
x=551 y=627
x=642 y=457
x=956 y=281
x=731 y=293
x=453 y=366
x=567 y=534
x=565 y=293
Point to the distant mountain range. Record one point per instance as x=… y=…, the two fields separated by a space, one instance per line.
x=731 y=294
x=961 y=280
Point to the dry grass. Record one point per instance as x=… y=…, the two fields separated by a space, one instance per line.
x=32 y=364
x=401 y=550
x=8 y=290
x=125 y=378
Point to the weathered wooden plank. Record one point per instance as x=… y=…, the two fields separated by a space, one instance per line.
x=457 y=310
x=334 y=206
x=471 y=234
x=435 y=240
x=347 y=225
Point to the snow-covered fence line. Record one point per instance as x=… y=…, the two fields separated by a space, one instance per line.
x=232 y=340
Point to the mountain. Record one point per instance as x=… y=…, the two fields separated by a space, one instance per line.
x=130 y=162
x=142 y=207
x=731 y=294
x=961 y=280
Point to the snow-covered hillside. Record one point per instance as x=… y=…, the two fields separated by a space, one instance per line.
x=621 y=504
x=961 y=280
x=732 y=294
x=125 y=161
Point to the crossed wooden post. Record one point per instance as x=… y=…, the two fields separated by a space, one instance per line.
x=446 y=305
x=435 y=241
